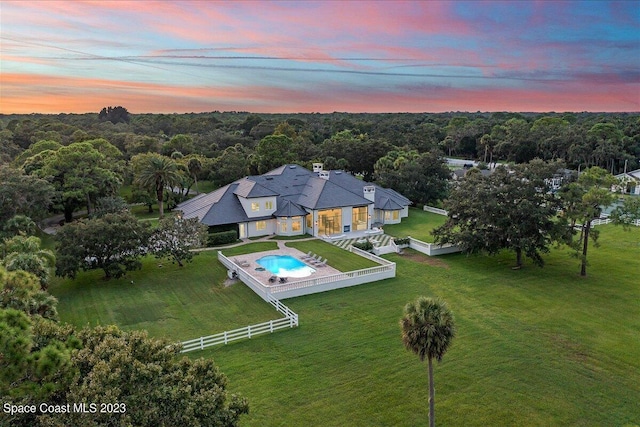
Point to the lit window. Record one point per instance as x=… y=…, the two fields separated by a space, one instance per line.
x=261 y=225
x=396 y=215
x=255 y=206
x=268 y=205
x=296 y=225
x=283 y=227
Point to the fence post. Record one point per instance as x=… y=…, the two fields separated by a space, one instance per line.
x=201 y=343
x=225 y=338
x=271 y=326
x=249 y=331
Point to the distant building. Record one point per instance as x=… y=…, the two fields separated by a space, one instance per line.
x=292 y=200
x=629 y=182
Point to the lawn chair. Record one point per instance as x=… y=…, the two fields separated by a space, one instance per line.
x=273 y=279
x=315 y=261
x=241 y=262
x=282 y=280
x=307 y=256
x=322 y=263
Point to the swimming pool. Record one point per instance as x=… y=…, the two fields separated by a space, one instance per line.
x=285 y=266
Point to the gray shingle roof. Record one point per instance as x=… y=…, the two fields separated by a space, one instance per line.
x=296 y=188
x=385 y=198
x=288 y=208
x=249 y=188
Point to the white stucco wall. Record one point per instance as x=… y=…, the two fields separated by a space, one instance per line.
x=254 y=232
x=263 y=211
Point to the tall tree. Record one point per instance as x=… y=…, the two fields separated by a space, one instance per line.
x=427 y=330
x=25 y=253
x=583 y=202
x=80 y=174
x=146 y=376
x=34 y=367
x=23 y=194
x=20 y=290
x=156 y=172
x=506 y=210
x=175 y=237
x=423 y=178
x=114 y=114
x=273 y=151
x=113 y=243
x=230 y=165
x=359 y=150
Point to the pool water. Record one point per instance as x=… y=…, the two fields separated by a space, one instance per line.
x=285 y=266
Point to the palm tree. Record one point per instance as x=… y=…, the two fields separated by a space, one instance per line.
x=427 y=330
x=156 y=172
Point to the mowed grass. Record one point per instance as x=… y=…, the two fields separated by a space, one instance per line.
x=169 y=301
x=535 y=347
x=336 y=257
x=418 y=225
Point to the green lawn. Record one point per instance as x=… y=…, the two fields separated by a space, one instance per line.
x=337 y=258
x=535 y=347
x=168 y=301
x=417 y=225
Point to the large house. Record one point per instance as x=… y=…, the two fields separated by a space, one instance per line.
x=292 y=200
x=629 y=182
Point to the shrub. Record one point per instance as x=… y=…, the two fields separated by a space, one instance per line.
x=400 y=241
x=365 y=246
x=222 y=238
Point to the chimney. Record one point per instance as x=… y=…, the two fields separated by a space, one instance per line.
x=317 y=167
x=370 y=192
x=323 y=174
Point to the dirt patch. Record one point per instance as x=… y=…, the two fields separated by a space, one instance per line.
x=574 y=350
x=424 y=259
x=229 y=282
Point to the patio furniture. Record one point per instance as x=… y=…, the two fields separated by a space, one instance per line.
x=322 y=263
x=272 y=279
x=307 y=256
x=282 y=280
x=241 y=262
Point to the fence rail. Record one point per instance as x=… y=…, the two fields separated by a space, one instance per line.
x=604 y=221
x=435 y=210
x=432 y=249
x=237 y=334
x=287 y=290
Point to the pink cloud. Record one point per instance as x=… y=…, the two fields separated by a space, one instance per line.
x=49 y=94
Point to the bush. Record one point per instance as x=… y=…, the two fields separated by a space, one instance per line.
x=222 y=238
x=401 y=241
x=365 y=246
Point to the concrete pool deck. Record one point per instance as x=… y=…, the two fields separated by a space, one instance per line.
x=247 y=262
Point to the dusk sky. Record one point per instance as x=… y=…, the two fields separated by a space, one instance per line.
x=353 y=56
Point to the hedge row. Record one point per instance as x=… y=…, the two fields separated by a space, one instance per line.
x=222 y=238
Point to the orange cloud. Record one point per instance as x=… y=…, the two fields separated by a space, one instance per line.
x=25 y=93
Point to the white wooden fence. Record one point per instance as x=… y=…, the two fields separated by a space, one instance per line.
x=432 y=249
x=385 y=270
x=289 y=321
x=603 y=221
x=435 y=210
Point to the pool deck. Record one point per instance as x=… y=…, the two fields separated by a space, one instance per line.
x=248 y=263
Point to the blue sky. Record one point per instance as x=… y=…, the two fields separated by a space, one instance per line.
x=356 y=56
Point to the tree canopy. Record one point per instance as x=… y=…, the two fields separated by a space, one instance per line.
x=503 y=210
x=156 y=172
x=113 y=243
x=428 y=328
